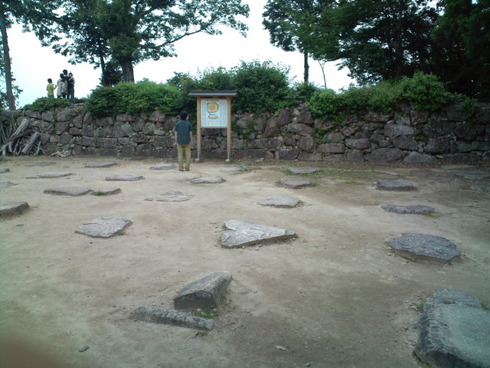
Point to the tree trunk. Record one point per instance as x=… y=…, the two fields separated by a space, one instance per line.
x=306 y=68
x=6 y=60
x=127 y=70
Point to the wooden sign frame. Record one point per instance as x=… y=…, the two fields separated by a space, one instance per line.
x=214 y=111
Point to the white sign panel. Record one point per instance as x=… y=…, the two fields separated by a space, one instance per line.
x=214 y=113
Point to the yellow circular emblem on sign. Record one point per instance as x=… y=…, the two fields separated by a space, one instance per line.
x=213 y=107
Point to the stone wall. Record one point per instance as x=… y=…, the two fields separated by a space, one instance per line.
x=406 y=135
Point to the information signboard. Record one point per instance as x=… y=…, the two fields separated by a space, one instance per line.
x=214 y=113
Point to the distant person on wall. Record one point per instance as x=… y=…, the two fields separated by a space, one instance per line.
x=50 y=88
x=61 y=87
x=70 y=87
x=183 y=140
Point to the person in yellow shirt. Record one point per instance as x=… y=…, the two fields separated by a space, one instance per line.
x=50 y=88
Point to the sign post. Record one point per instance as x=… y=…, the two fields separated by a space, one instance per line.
x=214 y=111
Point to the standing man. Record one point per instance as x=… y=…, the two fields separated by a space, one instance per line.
x=183 y=140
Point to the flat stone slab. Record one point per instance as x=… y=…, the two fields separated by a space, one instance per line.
x=106 y=191
x=408 y=210
x=295 y=183
x=240 y=233
x=103 y=227
x=68 y=191
x=171 y=317
x=13 y=208
x=233 y=170
x=395 y=185
x=280 y=201
x=100 y=164
x=127 y=177
x=43 y=163
x=204 y=293
x=208 y=180
x=424 y=246
x=454 y=331
x=6 y=184
x=303 y=170
x=164 y=167
x=472 y=175
x=50 y=175
x=4 y=170
x=171 y=196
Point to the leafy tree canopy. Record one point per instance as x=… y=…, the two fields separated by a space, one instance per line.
x=130 y=31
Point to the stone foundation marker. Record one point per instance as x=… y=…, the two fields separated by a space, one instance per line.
x=164 y=167
x=171 y=317
x=101 y=164
x=50 y=175
x=280 y=202
x=240 y=233
x=395 y=185
x=203 y=293
x=128 y=177
x=303 y=170
x=424 y=246
x=295 y=183
x=207 y=180
x=408 y=210
x=68 y=191
x=454 y=331
x=104 y=227
x=8 y=209
x=171 y=196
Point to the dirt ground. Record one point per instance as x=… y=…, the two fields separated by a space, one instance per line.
x=335 y=296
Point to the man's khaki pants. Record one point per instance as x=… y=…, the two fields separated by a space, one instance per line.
x=181 y=149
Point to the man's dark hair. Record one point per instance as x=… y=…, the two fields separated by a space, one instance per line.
x=184 y=114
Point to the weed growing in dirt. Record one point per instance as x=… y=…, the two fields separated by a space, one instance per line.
x=209 y=313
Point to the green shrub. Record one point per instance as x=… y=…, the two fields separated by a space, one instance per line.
x=383 y=97
x=48 y=103
x=261 y=86
x=424 y=91
x=104 y=101
x=325 y=103
x=134 y=98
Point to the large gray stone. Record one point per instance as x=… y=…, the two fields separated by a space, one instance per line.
x=207 y=180
x=100 y=164
x=408 y=210
x=233 y=170
x=127 y=177
x=50 y=175
x=4 y=170
x=395 y=185
x=43 y=163
x=472 y=174
x=240 y=233
x=13 y=208
x=171 y=196
x=417 y=157
x=303 y=170
x=280 y=201
x=164 y=167
x=207 y=292
x=68 y=191
x=171 y=317
x=425 y=247
x=454 y=331
x=104 y=227
x=295 y=183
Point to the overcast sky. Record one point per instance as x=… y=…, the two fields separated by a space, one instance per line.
x=32 y=64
